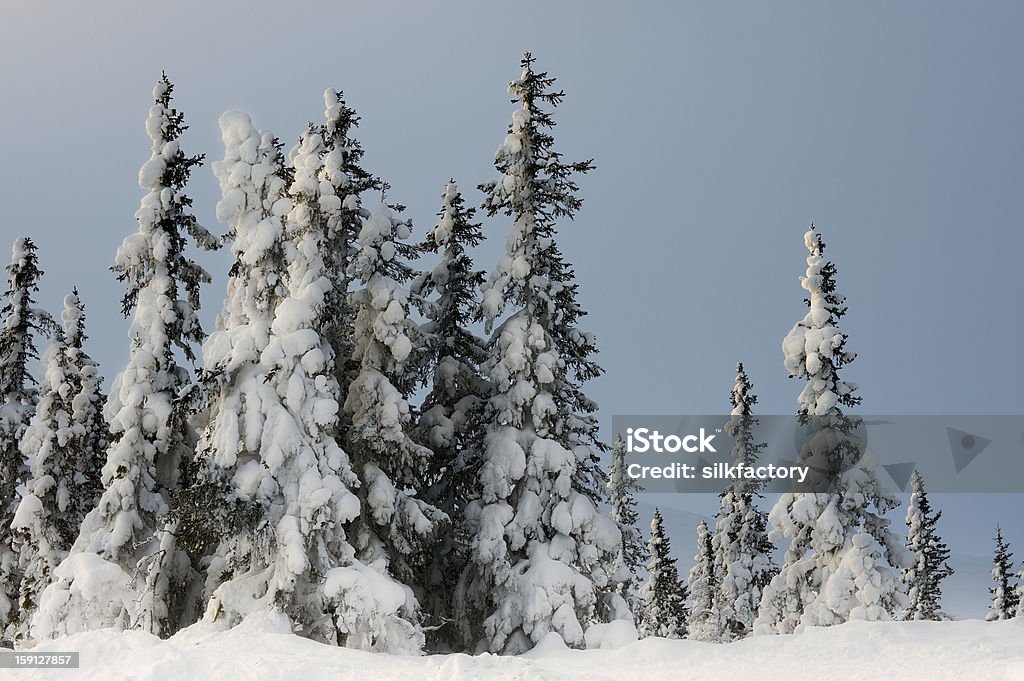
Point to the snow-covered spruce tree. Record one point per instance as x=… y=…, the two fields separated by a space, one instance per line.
x=394 y=526
x=216 y=519
x=449 y=420
x=1020 y=593
x=87 y=410
x=342 y=169
x=665 y=613
x=743 y=553
x=1005 y=597
x=378 y=355
x=843 y=560
x=542 y=555
x=930 y=555
x=270 y=455
x=64 y=444
x=632 y=553
x=705 y=623
x=20 y=322
x=122 y=571
x=1019 y=590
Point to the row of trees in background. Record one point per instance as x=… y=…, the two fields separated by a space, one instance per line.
x=292 y=475
x=723 y=598
x=843 y=561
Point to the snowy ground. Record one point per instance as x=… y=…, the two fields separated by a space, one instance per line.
x=864 y=651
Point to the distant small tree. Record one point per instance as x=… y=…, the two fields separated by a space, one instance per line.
x=705 y=623
x=1020 y=593
x=632 y=552
x=923 y=579
x=665 y=612
x=743 y=553
x=1005 y=596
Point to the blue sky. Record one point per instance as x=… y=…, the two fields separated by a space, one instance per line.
x=719 y=131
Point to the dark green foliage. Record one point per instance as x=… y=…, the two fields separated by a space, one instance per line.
x=665 y=611
x=1005 y=597
x=930 y=555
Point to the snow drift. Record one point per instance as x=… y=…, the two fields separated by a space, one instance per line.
x=255 y=650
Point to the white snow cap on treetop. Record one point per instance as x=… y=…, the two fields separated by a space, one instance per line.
x=19 y=251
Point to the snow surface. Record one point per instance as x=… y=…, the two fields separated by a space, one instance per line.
x=256 y=650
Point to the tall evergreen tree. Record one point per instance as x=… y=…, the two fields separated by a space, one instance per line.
x=281 y=483
x=394 y=526
x=632 y=552
x=542 y=553
x=449 y=420
x=665 y=612
x=705 y=622
x=344 y=218
x=379 y=358
x=842 y=558
x=223 y=513
x=64 y=444
x=20 y=323
x=743 y=554
x=923 y=579
x=87 y=410
x=1005 y=598
x=152 y=441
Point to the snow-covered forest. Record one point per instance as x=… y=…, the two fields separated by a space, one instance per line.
x=384 y=445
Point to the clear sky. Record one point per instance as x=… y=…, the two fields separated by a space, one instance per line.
x=719 y=131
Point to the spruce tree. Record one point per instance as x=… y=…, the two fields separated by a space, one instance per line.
x=842 y=559
x=924 y=577
x=705 y=623
x=379 y=355
x=1020 y=593
x=65 y=444
x=1005 y=596
x=20 y=323
x=449 y=421
x=222 y=514
x=344 y=218
x=665 y=612
x=632 y=552
x=152 y=441
x=361 y=618
x=743 y=554
x=394 y=526
x=269 y=456
x=542 y=553
x=87 y=410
